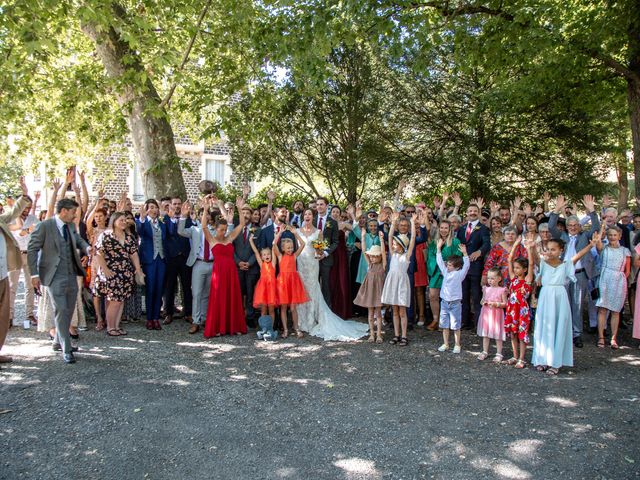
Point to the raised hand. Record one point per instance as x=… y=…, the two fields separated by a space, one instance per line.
x=462 y=247
x=82 y=176
x=440 y=243
x=445 y=197
x=517 y=202
x=185 y=209
x=70 y=178
x=381 y=237
x=23 y=186
x=37 y=194
x=240 y=203
x=457 y=199
x=383 y=216
x=437 y=202
x=589 y=203
x=143 y=210
x=395 y=216
x=350 y=210
x=546 y=197
x=246 y=189
x=480 y=202
x=56 y=184
x=271 y=196
x=526 y=208
x=538 y=210
x=606 y=201
x=561 y=203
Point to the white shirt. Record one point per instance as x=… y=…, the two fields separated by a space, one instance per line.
x=571 y=250
x=3 y=258
x=60 y=225
x=23 y=240
x=324 y=220
x=451 y=289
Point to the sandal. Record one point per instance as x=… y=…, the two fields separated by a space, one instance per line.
x=111 y=334
x=379 y=338
x=600 y=343
x=404 y=341
x=394 y=340
x=100 y=326
x=285 y=334
x=371 y=339
x=498 y=358
x=299 y=334
x=614 y=344
x=541 y=368
x=512 y=361
x=520 y=364
x=483 y=356
x=121 y=331
x=552 y=371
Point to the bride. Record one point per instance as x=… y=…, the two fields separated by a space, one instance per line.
x=315 y=316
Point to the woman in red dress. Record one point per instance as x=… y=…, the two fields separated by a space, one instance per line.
x=341 y=303
x=225 y=314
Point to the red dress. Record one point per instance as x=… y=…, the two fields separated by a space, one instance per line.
x=289 y=284
x=265 y=292
x=339 y=280
x=420 y=275
x=518 y=319
x=225 y=314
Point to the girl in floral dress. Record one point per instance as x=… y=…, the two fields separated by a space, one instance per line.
x=518 y=317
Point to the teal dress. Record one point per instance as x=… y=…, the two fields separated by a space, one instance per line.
x=371 y=240
x=435 y=276
x=552 y=336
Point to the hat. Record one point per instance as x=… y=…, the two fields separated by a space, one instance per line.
x=403 y=240
x=374 y=251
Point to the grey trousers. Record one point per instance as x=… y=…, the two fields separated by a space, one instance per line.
x=64 y=293
x=578 y=293
x=200 y=287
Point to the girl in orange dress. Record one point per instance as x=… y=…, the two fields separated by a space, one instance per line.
x=290 y=288
x=264 y=295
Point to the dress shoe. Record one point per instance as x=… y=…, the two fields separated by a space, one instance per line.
x=5 y=359
x=167 y=320
x=156 y=325
x=188 y=319
x=69 y=358
x=195 y=328
x=578 y=342
x=149 y=325
x=592 y=330
x=58 y=348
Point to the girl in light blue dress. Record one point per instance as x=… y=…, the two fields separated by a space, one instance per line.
x=553 y=338
x=371 y=238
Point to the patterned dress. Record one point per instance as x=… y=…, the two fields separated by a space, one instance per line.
x=117 y=257
x=499 y=257
x=518 y=318
x=613 y=282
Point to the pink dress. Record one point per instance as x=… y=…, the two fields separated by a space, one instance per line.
x=491 y=321
x=636 y=317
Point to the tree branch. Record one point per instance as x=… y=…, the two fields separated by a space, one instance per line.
x=185 y=55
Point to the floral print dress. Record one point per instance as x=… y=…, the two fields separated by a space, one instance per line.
x=518 y=319
x=117 y=257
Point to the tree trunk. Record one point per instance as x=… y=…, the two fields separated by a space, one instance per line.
x=151 y=132
x=622 y=172
x=633 y=96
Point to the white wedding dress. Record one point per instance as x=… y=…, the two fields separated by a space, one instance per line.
x=315 y=316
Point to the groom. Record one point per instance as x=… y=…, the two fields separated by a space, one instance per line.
x=329 y=228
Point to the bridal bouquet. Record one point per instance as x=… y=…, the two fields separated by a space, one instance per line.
x=319 y=246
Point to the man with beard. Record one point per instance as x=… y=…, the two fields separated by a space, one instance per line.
x=298 y=210
x=268 y=233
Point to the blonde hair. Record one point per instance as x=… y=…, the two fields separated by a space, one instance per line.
x=285 y=241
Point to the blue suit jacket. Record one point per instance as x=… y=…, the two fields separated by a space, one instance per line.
x=176 y=244
x=146 y=240
x=480 y=239
x=267 y=234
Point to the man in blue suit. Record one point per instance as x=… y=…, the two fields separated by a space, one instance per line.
x=267 y=234
x=477 y=238
x=178 y=249
x=153 y=237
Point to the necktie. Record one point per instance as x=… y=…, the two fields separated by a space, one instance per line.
x=207 y=251
x=320 y=223
x=245 y=234
x=468 y=234
x=65 y=232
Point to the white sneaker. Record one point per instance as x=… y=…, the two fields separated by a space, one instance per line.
x=421 y=324
x=443 y=348
x=456 y=349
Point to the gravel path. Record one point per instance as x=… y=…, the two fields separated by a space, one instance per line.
x=168 y=405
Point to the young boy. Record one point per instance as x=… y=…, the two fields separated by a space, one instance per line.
x=453 y=271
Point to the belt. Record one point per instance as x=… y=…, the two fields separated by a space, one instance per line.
x=451 y=301
x=205 y=261
x=580 y=270
x=23 y=251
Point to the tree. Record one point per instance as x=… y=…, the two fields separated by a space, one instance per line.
x=303 y=136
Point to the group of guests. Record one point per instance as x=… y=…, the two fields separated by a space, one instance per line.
x=521 y=272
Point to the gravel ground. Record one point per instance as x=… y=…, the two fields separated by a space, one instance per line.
x=168 y=405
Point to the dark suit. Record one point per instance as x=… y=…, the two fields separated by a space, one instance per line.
x=154 y=269
x=330 y=234
x=480 y=239
x=176 y=254
x=248 y=278
x=267 y=234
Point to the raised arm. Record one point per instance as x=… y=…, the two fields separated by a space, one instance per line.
x=512 y=253
x=532 y=254
x=241 y=221
x=298 y=238
x=412 y=240
x=255 y=250
x=267 y=215
x=84 y=202
x=364 y=248
x=394 y=218
x=204 y=220
x=594 y=240
x=384 y=250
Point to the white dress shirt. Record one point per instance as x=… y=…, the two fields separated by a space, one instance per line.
x=451 y=289
x=3 y=258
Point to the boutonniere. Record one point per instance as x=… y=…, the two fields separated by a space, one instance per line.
x=328 y=225
x=252 y=230
x=161 y=219
x=477 y=227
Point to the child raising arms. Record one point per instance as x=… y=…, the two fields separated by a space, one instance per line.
x=265 y=295
x=291 y=291
x=370 y=293
x=518 y=317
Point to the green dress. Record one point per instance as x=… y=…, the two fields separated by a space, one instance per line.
x=371 y=240
x=435 y=276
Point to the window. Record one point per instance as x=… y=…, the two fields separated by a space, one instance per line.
x=215 y=170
